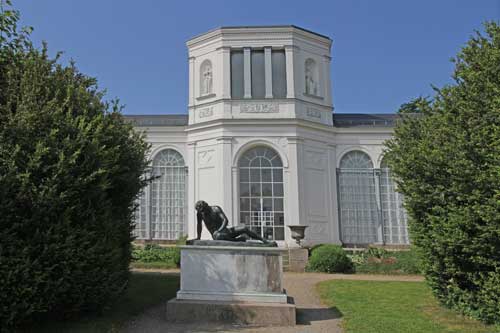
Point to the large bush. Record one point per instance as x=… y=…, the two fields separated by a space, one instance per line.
x=329 y=258
x=447 y=160
x=70 y=170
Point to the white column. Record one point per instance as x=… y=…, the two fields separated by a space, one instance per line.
x=293 y=199
x=191 y=98
x=268 y=72
x=247 y=73
x=334 y=214
x=191 y=195
x=290 y=75
x=380 y=232
x=225 y=175
x=226 y=72
x=328 y=80
x=235 y=219
x=147 y=193
x=191 y=81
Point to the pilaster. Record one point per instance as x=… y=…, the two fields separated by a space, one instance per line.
x=268 y=72
x=295 y=180
x=327 y=80
x=191 y=81
x=247 y=73
x=191 y=216
x=290 y=77
x=225 y=175
x=334 y=207
x=226 y=71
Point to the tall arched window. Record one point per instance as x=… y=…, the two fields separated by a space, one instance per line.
x=394 y=218
x=261 y=192
x=162 y=206
x=358 y=204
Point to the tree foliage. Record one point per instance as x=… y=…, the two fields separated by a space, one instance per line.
x=448 y=163
x=70 y=170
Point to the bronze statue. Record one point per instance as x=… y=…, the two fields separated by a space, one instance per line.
x=216 y=223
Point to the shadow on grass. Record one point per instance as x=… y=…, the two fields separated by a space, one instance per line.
x=305 y=316
x=146 y=290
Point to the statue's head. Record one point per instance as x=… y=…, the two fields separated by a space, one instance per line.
x=200 y=205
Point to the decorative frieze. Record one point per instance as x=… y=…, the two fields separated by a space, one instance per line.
x=205 y=158
x=206 y=112
x=313 y=113
x=259 y=108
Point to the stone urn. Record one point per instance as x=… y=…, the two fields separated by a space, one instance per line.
x=298 y=232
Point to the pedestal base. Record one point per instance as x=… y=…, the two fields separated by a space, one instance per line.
x=236 y=313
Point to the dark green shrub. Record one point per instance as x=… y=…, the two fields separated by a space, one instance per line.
x=70 y=171
x=329 y=258
x=447 y=161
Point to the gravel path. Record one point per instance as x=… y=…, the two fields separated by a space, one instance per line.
x=312 y=315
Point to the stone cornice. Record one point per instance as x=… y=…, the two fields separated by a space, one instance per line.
x=259 y=33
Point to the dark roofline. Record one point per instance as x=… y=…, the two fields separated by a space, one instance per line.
x=263 y=27
x=339 y=119
x=365 y=119
x=274 y=26
x=157 y=119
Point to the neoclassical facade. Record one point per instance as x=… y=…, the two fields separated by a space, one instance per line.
x=261 y=140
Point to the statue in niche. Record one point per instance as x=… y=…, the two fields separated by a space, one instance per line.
x=216 y=222
x=206 y=79
x=311 y=81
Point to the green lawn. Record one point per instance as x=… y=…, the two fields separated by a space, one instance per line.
x=146 y=290
x=399 y=307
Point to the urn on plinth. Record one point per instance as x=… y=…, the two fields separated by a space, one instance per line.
x=298 y=232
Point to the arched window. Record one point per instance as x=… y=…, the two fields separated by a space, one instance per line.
x=261 y=192
x=356 y=160
x=358 y=210
x=162 y=206
x=206 y=78
x=394 y=216
x=311 y=77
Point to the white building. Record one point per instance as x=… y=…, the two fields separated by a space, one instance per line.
x=261 y=141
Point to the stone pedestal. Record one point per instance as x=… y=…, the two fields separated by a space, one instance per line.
x=231 y=284
x=297 y=259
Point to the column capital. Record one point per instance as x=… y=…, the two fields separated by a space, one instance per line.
x=295 y=139
x=291 y=47
x=225 y=139
x=224 y=49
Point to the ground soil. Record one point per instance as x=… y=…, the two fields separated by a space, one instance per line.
x=312 y=315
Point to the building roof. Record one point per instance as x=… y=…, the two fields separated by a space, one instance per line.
x=158 y=120
x=364 y=119
x=274 y=26
x=250 y=27
x=339 y=120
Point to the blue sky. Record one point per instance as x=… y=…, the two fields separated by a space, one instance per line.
x=384 y=52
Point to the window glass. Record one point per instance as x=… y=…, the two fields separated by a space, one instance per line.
x=237 y=81
x=258 y=74
x=279 y=73
x=261 y=194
